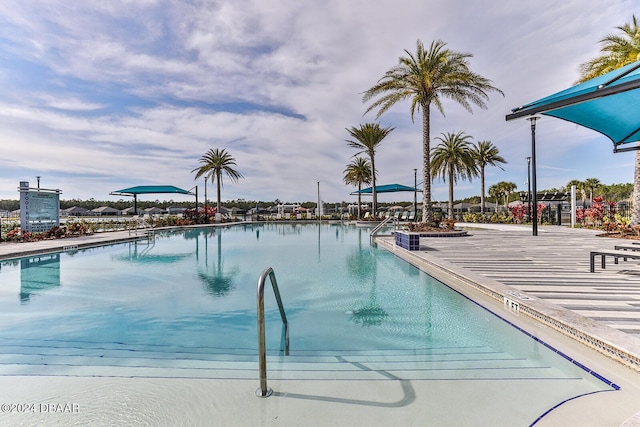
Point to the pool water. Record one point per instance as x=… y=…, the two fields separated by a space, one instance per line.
x=184 y=305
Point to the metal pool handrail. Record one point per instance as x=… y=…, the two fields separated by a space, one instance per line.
x=379 y=226
x=265 y=391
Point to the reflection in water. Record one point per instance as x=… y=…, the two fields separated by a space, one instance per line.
x=216 y=280
x=38 y=274
x=361 y=264
x=372 y=313
x=141 y=251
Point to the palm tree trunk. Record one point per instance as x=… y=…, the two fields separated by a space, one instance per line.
x=374 y=203
x=427 y=214
x=450 y=192
x=635 y=212
x=482 y=190
x=219 y=176
x=359 y=197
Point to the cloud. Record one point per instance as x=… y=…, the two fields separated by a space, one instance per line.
x=101 y=95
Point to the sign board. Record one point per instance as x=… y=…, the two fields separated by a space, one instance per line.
x=39 y=208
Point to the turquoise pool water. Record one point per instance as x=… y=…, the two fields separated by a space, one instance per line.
x=186 y=303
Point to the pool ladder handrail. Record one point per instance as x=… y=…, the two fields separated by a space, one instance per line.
x=379 y=226
x=264 y=390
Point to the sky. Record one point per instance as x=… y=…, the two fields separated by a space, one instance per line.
x=99 y=96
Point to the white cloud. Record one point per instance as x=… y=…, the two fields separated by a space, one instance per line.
x=112 y=94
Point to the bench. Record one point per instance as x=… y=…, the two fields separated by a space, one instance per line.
x=627 y=248
x=603 y=254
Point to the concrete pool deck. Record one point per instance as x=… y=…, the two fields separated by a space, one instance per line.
x=551 y=269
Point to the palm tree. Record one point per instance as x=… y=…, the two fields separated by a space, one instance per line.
x=452 y=158
x=495 y=191
x=214 y=162
x=425 y=78
x=592 y=184
x=505 y=189
x=580 y=186
x=485 y=153
x=358 y=172
x=366 y=138
x=617 y=51
x=573 y=182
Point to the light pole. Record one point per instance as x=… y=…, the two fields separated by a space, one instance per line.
x=529 y=187
x=38 y=178
x=415 y=194
x=318 y=210
x=205 y=195
x=533 y=175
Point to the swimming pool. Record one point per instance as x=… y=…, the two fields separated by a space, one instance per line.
x=183 y=306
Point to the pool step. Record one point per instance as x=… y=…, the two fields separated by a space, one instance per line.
x=82 y=359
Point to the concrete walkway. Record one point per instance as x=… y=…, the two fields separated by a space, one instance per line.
x=550 y=270
x=14 y=249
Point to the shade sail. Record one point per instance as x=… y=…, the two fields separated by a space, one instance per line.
x=389 y=188
x=150 y=189
x=607 y=104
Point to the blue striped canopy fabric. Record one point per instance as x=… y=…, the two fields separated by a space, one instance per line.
x=607 y=104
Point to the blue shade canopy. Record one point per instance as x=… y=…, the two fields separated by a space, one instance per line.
x=389 y=188
x=608 y=104
x=150 y=189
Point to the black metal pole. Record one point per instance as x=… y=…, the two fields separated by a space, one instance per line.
x=205 y=195
x=533 y=174
x=529 y=188
x=415 y=194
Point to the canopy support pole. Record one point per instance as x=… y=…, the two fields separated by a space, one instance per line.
x=533 y=175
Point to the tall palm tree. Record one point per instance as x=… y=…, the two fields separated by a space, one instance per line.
x=485 y=153
x=366 y=138
x=425 y=78
x=592 y=184
x=214 y=162
x=358 y=172
x=452 y=158
x=617 y=51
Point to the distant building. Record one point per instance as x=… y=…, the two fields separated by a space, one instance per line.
x=176 y=210
x=154 y=211
x=76 y=211
x=129 y=211
x=105 y=210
